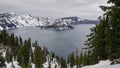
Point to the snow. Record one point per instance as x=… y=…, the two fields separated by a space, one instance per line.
x=10 y=65
x=103 y=64
x=15 y=64
x=9 y=20
x=21 y=20
x=33 y=65
x=3 y=52
x=33 y=49
x=28 y=20
x=1 y=28
x=53 y=63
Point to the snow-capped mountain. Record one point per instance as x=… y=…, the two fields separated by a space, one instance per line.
x=12 y=20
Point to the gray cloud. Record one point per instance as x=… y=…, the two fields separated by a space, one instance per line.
x=55 y=8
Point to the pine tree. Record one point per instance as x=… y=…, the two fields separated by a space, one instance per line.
x=20 y=55
x=68 y=59
x=77 y=59
x=112 y=18
x=16 y=47
x=63 y=63
x=32 y=57
x=2 y=61
x=72 y=59
x=4 y=37
x=89 y=57
x=44 y=54
x=20 y=40
x=29 y=43
x=8 y=56
x=26 y=55
x=85 y=58
x=80 y=60
x=23 y=56
x=38 y=57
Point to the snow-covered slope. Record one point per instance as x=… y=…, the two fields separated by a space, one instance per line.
x=103 y=64
x=54 y=64
x=12 y=20
x=50 y=61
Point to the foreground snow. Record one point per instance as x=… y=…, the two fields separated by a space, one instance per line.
x=53 y=63
x=103 y=64
x=12 y=65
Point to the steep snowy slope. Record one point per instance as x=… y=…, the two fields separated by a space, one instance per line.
x=12 y=20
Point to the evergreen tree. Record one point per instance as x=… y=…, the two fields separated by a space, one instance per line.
x=80 y=60
x=77 y=59
x=26 y=55
x=23 y=56
x=2 y=61
x=20 y=56
x=85 y=58
x=4 y=37
x=38 y=57
x=68 y=59
x=112 y=18
x=20 y=40
x=32 y=57
x=72 y=59
x=104 y=41
x=8 y=56
x=63 y=63
x=44 y=54
x=16 y=47
x=29 y=43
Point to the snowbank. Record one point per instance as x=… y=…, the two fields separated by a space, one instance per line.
x=103 y=64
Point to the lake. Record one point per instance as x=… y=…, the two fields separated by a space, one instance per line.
x=60 y=42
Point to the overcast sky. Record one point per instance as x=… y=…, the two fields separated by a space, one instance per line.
x=88 y=9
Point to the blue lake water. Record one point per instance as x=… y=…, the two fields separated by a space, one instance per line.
x=60 y=42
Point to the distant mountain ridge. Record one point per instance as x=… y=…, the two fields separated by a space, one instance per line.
x=77 y=20
x=12 y=20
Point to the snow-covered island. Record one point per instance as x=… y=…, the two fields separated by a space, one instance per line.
x=58 y=25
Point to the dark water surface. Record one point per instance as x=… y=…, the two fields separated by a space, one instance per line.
x=60 y=42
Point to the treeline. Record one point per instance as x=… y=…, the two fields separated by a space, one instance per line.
x=24 y=52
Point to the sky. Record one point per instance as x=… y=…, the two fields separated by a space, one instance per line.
x=87 y=9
